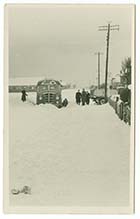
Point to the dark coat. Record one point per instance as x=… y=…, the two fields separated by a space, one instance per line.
x=87 y=98
x=65 y=102
x=78 y=97
x=24 y=94
x=84 y=94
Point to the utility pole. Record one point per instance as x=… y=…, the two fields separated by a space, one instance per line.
x=98 y=54
x=107 y=28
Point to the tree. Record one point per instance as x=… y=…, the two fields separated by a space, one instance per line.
x=126 y=71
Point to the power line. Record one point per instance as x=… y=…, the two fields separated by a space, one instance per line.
x=107 y=28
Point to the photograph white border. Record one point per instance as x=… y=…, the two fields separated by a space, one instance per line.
x=57 y=210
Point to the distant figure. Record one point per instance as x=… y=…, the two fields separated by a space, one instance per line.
x=65 y=102
x=24 y=94
x=78 y=97
x=116 y=104
x=87 y=98
x=84 y=94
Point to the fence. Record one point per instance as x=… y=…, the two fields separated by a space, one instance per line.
x=122 y=109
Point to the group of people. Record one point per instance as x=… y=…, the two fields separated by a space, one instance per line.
x=82 y=97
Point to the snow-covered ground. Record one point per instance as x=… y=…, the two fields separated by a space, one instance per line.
x=78 y=155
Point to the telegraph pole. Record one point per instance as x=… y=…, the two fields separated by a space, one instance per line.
x=98 y=54
x=107 y=28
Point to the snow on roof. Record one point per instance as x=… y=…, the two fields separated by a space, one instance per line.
x=63 y=83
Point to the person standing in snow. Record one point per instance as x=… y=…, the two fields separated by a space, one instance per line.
x=78 y=97
x=24 y=94
x=84 y=94
x=65 y=102
x=87 y=98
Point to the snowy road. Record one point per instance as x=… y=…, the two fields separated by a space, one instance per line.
x=71 y=156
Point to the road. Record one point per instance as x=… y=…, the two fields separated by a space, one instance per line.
x=77 y=155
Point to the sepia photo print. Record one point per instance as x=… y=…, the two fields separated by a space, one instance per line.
x=69 y=108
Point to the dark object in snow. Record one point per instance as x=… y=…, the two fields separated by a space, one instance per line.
x=97 y=95
x=24 y=94
x=99 y=100
x=15 y=191
x=65 y=102
x=25 y=190
x=59 y=106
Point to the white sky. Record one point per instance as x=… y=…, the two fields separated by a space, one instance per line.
x=59 y=41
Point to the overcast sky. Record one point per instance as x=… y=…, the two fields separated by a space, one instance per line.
x=59 y=41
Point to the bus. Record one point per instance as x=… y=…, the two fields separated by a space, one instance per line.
x=49 y=91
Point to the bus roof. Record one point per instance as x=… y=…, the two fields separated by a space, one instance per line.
x=47 y=81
